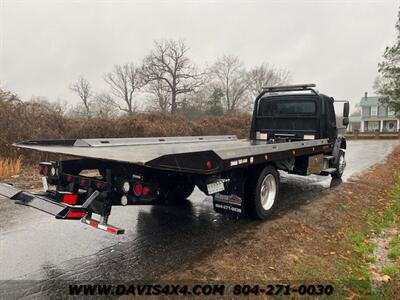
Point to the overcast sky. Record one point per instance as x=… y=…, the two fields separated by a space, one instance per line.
x=46 y=45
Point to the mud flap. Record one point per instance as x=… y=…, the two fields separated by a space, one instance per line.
x=228 y=204
x=231 y=200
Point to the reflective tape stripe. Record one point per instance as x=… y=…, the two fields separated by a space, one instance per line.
x=102 y=227
x=112 y=230
x=95 y=224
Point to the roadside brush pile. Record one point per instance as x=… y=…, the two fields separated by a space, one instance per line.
x=156 y=124
x=43 y=120
x=9 y=167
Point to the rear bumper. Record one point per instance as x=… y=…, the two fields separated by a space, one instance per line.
x=40 y=201
x=46 y=202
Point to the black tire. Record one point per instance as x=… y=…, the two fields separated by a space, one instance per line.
x=256 y=208
x=177 y=191
x=339 y=169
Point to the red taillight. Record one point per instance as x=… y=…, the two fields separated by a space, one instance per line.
x=209 y=165
x=75 y=215
x=70 y=199
x=99 y=186
x=138 y=189
x=83 y=181
x=44 y=170
x=146 y=191
x=69 y=178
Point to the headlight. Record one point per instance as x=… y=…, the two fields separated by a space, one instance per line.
x=126 y=187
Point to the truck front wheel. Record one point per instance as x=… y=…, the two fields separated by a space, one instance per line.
x=264 y=194
x=340 y=166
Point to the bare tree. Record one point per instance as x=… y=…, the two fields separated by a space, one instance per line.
x=162 y=95
x=105 y=106
x=8 y=96
x=84 y=90
x=168 y=63
x=124 y=81
x=232 y=79
x=266 y=75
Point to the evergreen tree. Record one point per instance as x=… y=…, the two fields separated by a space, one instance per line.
x=215 y=103
x=388 y=83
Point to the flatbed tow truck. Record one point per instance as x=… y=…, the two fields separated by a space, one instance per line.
x=293 y=129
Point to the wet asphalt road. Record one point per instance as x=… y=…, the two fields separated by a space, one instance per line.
x=35 y=246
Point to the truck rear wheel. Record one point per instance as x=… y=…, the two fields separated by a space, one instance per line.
x=177 y=191
x=263 y=195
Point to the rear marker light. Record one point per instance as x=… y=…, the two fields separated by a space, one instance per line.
x=83 y=181
x=138 y=189
x=69 y=178
x=126 y=187
x=99 y=185
x=75 y=215
x=209 y=165
x=70 y=199
x=124 y=200
x=53 y=171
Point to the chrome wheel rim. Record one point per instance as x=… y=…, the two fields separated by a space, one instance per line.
x=268 y=192
x=342 y=164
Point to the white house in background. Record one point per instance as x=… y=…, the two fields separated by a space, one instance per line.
x=354 y=123
x=377 y=116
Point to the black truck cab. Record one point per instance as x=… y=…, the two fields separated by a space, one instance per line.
x=293 y=113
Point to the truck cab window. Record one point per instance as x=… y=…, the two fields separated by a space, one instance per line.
x=287 y=107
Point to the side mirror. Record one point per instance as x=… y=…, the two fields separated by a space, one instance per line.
x=346 y=111
x=345 y=121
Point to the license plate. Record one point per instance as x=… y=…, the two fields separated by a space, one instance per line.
x=45 y=184
x=216 y=186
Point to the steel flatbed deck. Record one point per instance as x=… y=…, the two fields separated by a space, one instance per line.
x=171 y=152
